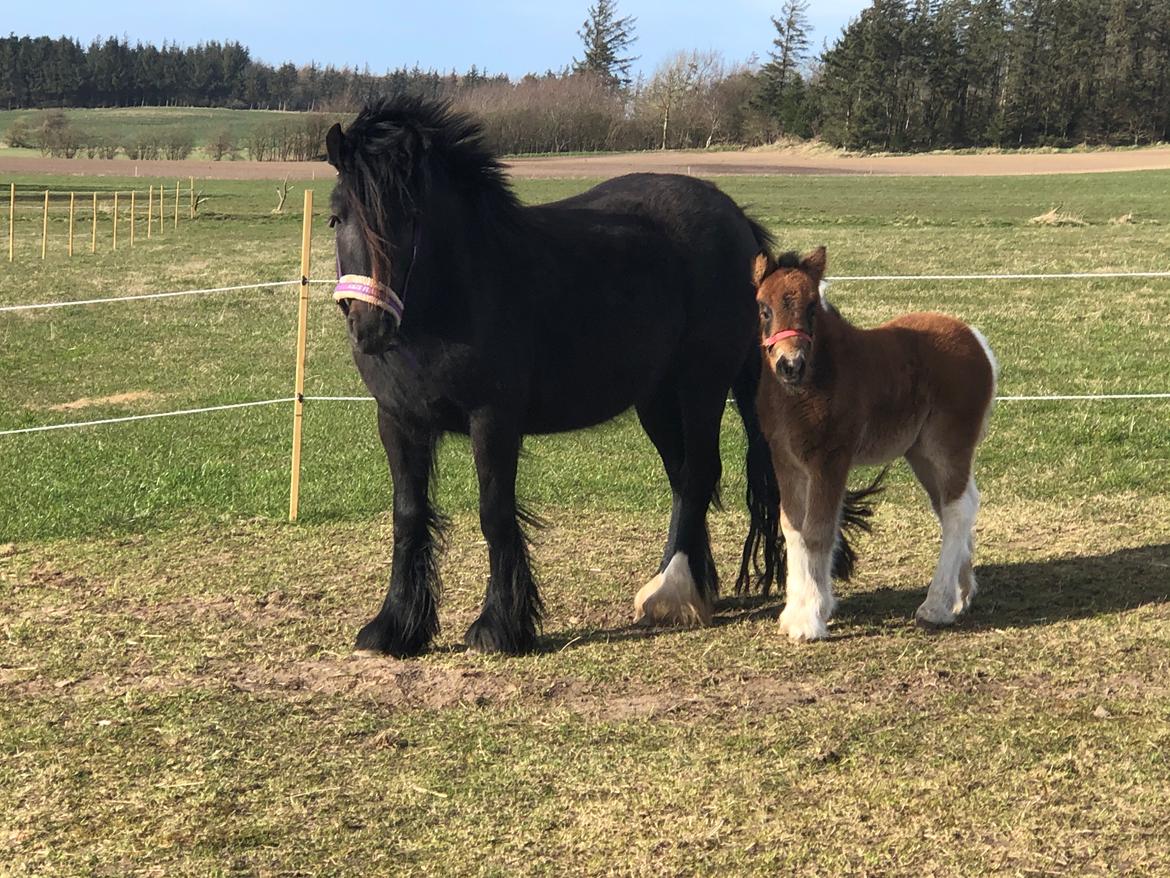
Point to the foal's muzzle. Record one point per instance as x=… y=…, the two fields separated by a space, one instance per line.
x=791 y=368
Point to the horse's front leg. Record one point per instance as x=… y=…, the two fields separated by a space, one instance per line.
x=512 y=608
x=810 y=518
x=409 y=617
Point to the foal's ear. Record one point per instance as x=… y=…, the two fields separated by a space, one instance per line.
x=814 y=264
x=762 y=266
x=334 y=141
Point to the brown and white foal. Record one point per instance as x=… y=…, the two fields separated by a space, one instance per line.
x=834 y=396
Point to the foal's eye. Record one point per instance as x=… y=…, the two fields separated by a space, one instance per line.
x=333 y=221
x=765 y=312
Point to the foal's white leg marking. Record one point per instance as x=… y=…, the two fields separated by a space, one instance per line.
x=945 y=598
x=809 y=600
x=671 y=597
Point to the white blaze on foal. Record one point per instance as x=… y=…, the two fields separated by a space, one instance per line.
x=671 y=597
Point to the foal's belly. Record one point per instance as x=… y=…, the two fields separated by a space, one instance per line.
x=880 y=443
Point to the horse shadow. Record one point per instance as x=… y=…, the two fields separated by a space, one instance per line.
x=1011 y=595
x=1029 y=593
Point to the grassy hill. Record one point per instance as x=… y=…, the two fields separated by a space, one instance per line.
x=123 y=124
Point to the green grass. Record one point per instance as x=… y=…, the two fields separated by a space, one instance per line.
x=177 y=693
x=123 y=124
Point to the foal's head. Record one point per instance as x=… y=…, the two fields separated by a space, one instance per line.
x=788 y=292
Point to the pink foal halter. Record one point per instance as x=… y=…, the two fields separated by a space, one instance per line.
x=787 y=333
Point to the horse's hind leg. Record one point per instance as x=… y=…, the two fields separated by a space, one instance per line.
x=408 y=619
x=684 y=591
x=661 y=418
x=956 y=501
x=512 y=607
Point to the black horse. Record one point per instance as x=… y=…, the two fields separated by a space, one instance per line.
x=474 y=314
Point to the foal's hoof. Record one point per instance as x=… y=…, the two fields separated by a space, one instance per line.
x=381 y=637
x=488 y=636
x=672 y=598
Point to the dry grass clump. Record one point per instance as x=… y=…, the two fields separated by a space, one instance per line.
x=1124 y=220
x=1057 y=216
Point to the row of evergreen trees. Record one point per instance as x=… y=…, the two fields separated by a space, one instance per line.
x=938 y=73
x=904 y=75
x=44 y=72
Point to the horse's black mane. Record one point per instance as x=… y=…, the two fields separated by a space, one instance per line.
x=791 y=259
x=391 y=140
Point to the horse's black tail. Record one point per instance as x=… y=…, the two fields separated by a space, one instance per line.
x=855 y=518
x=763 y=549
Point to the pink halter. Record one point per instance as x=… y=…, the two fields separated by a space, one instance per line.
x=787 y=333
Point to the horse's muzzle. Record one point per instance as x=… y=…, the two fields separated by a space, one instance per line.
x=371 y=330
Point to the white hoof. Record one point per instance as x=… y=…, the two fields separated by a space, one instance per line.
x=802 y=626
x=671 y=598
x=934 y=616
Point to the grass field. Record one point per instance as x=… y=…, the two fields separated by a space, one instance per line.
x=178 y=693
x=121 y=124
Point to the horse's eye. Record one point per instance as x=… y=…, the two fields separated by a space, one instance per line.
x=333 y=221
x=765 y=312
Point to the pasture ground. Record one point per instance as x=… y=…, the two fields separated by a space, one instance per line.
x=178 y=693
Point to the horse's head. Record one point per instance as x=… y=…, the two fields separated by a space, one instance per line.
x=788 y=292
x=375 y=222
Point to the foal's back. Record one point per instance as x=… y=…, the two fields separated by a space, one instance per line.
x=920 y=372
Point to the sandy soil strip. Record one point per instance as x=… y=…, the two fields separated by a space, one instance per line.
x=746 y=162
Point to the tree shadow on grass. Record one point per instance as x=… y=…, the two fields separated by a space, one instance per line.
x=1027 y=593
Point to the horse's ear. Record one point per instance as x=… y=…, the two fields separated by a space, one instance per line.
x=762 y=266
x=815 y=263
x=334 y=141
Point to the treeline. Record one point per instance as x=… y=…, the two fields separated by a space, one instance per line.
x=904 y=75
x=954 y=73
x=43 y=72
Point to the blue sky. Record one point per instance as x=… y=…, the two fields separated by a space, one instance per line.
x=504 y=36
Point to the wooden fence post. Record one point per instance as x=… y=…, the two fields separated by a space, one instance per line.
x=133 y=199
x=45 y=227
x=302 y=332
x=150 y=212
x=176 y=204
x=72 y=199
x=11 y=221
x=93 y=240
x=115 y=220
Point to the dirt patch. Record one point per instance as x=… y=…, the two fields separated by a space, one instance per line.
x=794 y=160
x=412 y=685
x=117 y=399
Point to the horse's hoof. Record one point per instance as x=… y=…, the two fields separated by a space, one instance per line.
x=672 y=598
x=378 y=636
x=932 y=617
x=803 y=628
x=490 y=637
